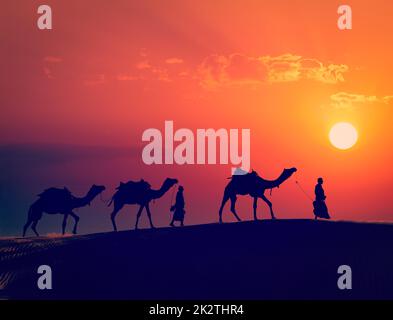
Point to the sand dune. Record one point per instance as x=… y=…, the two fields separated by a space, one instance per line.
x=283 y=259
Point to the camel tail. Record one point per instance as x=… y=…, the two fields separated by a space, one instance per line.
x=110 y=202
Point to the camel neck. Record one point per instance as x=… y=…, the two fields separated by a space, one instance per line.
x=81 y=202
x=275 y=183
x=160 y=192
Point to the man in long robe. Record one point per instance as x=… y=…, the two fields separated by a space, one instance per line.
x=320 y=208
x=178 y=208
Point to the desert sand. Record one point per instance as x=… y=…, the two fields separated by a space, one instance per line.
x=281 y=259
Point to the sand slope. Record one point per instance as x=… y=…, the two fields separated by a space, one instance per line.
x=283 y=259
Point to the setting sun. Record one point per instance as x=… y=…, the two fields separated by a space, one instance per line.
x=343 y=135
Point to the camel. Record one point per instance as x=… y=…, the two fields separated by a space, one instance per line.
x=56 y=200
x=253 y=185
x=140 y=193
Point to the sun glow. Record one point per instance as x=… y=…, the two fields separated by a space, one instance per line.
x=343 y=135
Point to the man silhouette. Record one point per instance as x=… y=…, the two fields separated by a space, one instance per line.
x=320 y=208
x=178 y=208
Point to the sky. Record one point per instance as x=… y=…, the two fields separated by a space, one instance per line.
x=76 y=99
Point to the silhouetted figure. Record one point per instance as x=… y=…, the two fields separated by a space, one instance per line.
x=253 y=185
x=320 y=208
x=55 y=200
x=138 y=192
x=178 y=208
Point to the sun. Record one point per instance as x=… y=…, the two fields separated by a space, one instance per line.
x=343 y=135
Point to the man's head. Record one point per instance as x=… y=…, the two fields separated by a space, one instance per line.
x=181 y=188
x=320 y=180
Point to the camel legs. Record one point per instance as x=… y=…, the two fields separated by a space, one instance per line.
x=263 y=197
x=138 y=215
x=28 y=223
x=116 y=209
x=76 y=218
x=34 y=226
x=64 y=223
x=34 y=215
x=233 y=209
x=224 y=201
x=113 y=216
x=149 y=215
x=255 y=204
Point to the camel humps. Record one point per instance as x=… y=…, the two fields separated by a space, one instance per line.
x=253 y=185
x=56 y=200
x=138 y=193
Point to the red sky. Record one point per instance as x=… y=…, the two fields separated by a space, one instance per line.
x=109 y=70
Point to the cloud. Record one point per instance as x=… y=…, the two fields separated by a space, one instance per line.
x=174 y=61
x=283 y=68
x=48 y=73
x=143 y=65
x=22 y=157
x=49 y=61
x=288 y=67
x=331 y=73
x=52 y=59
x=217 y=70
x=345 y=100
x=238 y=69
x=148 y=71
x=95 y=80
x=387 y=99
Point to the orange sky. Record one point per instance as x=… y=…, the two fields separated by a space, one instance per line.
x=109 y=70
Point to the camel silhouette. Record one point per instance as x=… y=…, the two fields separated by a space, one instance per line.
x=137 y=192
x=253 y=185
x=56 y=200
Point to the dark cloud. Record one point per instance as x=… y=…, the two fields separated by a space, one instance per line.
x=43 y=154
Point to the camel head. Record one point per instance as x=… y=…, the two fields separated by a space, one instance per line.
x=287 y=173
x=91 y=194
x=169 y=182
x=94 y=191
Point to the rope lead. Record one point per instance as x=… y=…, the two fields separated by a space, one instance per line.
x=305 y=193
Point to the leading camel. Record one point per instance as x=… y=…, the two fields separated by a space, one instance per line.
x=137 y=193
x=253 y=185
